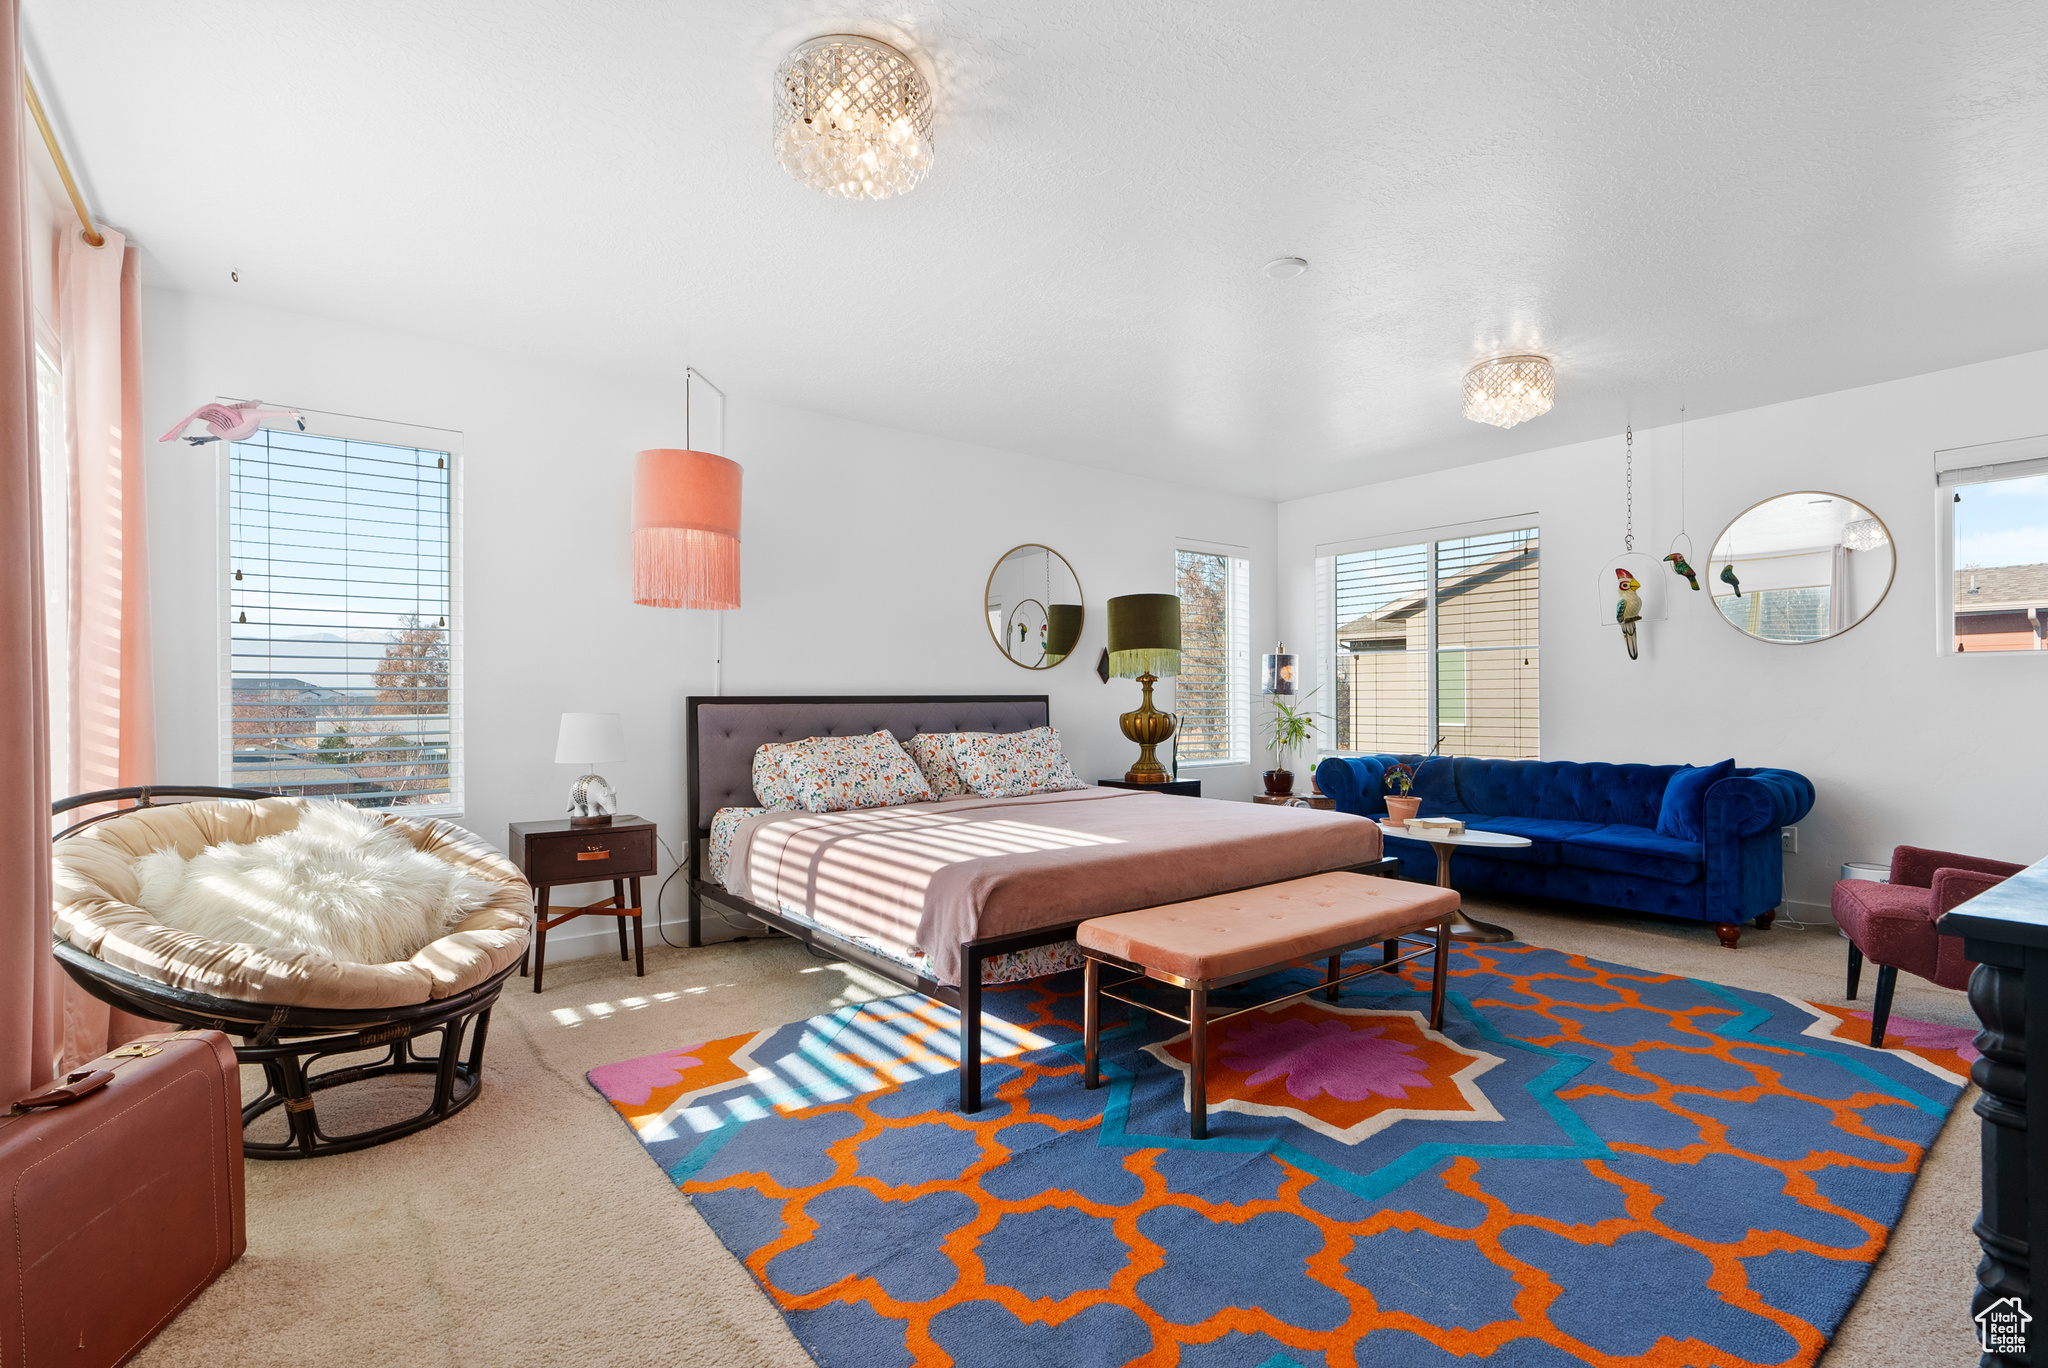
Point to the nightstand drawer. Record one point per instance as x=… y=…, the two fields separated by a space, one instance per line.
x=594 y=854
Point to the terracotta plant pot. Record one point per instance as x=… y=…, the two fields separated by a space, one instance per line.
x=1401 y=811
x=1279 y=782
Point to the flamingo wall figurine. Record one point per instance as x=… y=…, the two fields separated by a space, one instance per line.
x=229 y=422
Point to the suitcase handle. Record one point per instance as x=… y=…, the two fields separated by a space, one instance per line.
x=77 y=1085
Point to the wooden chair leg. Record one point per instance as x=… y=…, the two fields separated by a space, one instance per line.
x=1855 y=970
x=1729 y=933
x=1198 y=1045
x=1881 y=1011
x=1091 y=1022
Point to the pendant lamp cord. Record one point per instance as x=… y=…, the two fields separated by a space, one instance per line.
x=1629 y=537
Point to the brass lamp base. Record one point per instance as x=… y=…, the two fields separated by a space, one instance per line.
x=1148 y=727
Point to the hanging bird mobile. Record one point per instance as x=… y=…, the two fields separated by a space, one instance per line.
x=1680 y=567
x=229 y=422
x=1628 y=609
x=1728 y=578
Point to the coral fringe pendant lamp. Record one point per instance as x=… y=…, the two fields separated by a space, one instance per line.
x=686 y=530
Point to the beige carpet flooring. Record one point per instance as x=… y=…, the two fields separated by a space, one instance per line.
x=533 y=1230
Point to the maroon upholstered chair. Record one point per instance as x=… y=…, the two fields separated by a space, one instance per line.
x=1893 y=923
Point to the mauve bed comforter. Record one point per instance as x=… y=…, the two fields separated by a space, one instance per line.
x=927 y=876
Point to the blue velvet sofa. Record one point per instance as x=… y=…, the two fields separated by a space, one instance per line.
x=1593 y=831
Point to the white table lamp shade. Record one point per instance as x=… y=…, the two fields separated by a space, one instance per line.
x=590 y=739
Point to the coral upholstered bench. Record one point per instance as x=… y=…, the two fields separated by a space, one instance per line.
x=1230 y=938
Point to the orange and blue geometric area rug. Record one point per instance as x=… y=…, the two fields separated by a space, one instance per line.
x=1588 y=1164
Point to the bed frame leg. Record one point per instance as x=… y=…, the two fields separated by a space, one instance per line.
x=696 y=936
x=1091 y=1022
x=970 y=1030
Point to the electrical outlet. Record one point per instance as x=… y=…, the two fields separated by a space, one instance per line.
x=1789 y=839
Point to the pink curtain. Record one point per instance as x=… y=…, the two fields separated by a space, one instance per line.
x=28 y=975
x=112 y=741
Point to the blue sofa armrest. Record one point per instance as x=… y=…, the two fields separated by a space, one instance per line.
x=1745 y=867
x=1355 y=782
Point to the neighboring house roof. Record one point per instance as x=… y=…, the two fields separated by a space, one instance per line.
x=1390 y=619
x=2002 y=588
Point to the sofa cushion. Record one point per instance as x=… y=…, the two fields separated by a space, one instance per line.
x=1436 y=784
x=1568 y=791
x=1683 y=817
x=1637 y=850
x=1546 y=838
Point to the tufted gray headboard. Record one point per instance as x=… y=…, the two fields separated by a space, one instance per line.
x=724 y=733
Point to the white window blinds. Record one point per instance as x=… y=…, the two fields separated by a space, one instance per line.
x=1435 y=646
x=1212 y=695
x=1382 y=700
x=343 y=660
x=1486 y=645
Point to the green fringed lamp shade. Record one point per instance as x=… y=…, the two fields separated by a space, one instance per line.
x=1144 y=635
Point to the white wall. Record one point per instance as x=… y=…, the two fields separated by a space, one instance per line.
x=865 y=553
x=1904 y=746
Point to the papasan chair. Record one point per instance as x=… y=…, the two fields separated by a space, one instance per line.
x=290 y=1008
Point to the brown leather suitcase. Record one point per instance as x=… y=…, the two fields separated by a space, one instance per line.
x=123 y=1182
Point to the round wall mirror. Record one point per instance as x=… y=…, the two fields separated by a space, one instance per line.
x=1801 y=567
x=1034 y=606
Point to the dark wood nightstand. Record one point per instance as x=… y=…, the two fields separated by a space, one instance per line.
x=1179 y=788
x=551 y=853
x=1313 y=800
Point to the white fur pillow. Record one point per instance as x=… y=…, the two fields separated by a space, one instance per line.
x=340 y=883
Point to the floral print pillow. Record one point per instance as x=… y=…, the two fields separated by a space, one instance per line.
x=1012 y=764
x=771 y=785
x=840 y=773
x=725 y=826
x=933 y=752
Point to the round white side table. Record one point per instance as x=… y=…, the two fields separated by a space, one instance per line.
x=1464 y=928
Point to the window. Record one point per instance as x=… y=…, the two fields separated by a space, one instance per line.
x=1994 y=572
x=1434 y=645
x=343 y=655
x=1213 y=692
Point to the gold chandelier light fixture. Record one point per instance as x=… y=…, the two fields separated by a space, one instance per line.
x=853 y=118
x=1509 y=389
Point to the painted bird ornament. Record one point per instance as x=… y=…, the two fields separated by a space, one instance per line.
x=1679 y=567
x=229 y=422
x=1728 y=578
x=1628 y=609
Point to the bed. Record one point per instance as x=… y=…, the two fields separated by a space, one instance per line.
x=995 y=884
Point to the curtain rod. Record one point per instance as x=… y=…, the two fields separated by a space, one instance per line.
x=35 y=107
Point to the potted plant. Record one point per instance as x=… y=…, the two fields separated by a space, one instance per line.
x=1292 y=728
x=1401 y=808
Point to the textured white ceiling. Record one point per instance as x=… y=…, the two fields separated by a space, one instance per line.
x=1728 y=203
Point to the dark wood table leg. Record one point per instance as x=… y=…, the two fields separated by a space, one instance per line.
x=540 y=936
x=639 y=945
x=1198 y=1046
x=619 y=901
x=1463 y=927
